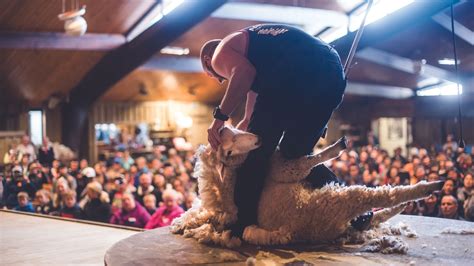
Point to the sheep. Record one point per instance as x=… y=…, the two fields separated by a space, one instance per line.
x=289 y=211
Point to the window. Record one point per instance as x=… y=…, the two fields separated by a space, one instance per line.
x=36 y=126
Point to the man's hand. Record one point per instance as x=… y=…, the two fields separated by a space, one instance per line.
x=213 y=135
x=243 y=124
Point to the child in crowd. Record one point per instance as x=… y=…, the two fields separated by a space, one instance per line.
x=24 y=204
x=70 y=208
x=43 y=203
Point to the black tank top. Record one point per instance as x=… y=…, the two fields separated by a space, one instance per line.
x=278 y=51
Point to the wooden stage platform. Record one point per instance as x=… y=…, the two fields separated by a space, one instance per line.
x=40 y=240
x=160 y=247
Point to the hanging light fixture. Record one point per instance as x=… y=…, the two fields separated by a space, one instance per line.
x=74 y=23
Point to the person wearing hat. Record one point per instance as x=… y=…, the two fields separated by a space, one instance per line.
x=85 y=177
x=17 y=184
x=291 y=81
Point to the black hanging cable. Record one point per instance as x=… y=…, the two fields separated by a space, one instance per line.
x=355 y=43
x=462 y=144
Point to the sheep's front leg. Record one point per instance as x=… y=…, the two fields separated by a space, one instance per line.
x=290 y=171
x=258 y=236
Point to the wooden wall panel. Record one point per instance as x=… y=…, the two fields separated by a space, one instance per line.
x=164 y=112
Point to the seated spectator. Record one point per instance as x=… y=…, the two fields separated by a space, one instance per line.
x=190 y=198
x=24 y=204
x=141 y=168
x=83 y=164
x=27 y=148
x=429 y=206
x=412 y=208
x=150 y=203
x=159 y=182
x=146 y=188
x=64 y=174
x=12 y=156
x=18 y=183
x=74 y=169
x=36 y=176
x=469 y=209
x=131 y=214
x=58 y=196
x=70 y=207
x=367 y=179
x=156 y=166
x=420 y=174
x=449 y=208
x=96 y=207
x=86 y=176
x=121 y=187
x=465 y=192
x=127 y=160
x=169 y=172
x=46 y=153
x=165 y=214
x=448 y=188
x=43 y=203
x=433 y=176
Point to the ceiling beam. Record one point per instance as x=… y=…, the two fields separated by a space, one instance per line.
x=174 y=63
x=312 y=20
x=60 y=41
x=460 y=30
x=383 y=91
x=405 y=64
x=193 y=65
x=119 y=62
x=392 y=24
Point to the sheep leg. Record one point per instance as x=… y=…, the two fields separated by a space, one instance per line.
x=383 y=215
x=362 y=199
x=290 y=171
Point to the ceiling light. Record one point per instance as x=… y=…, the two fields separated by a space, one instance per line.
x=74 y=23
x=447 y=61
x=445 y=89
x=175 y=50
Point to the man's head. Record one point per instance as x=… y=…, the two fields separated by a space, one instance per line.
x=145 y=180
x=449 y=206
x=128 y=202
x=207 y=51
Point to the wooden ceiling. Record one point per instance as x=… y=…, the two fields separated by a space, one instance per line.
x=33 y=75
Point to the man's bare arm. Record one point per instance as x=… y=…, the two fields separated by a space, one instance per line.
x=240 y=72
x=251 y=99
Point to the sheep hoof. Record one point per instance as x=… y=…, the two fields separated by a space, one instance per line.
x=362 y=222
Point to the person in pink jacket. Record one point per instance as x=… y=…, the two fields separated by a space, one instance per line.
x=165 y=214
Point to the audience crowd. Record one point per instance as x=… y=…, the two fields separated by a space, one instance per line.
x=149 y=192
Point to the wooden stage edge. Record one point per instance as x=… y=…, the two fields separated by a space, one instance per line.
x=33 y=239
